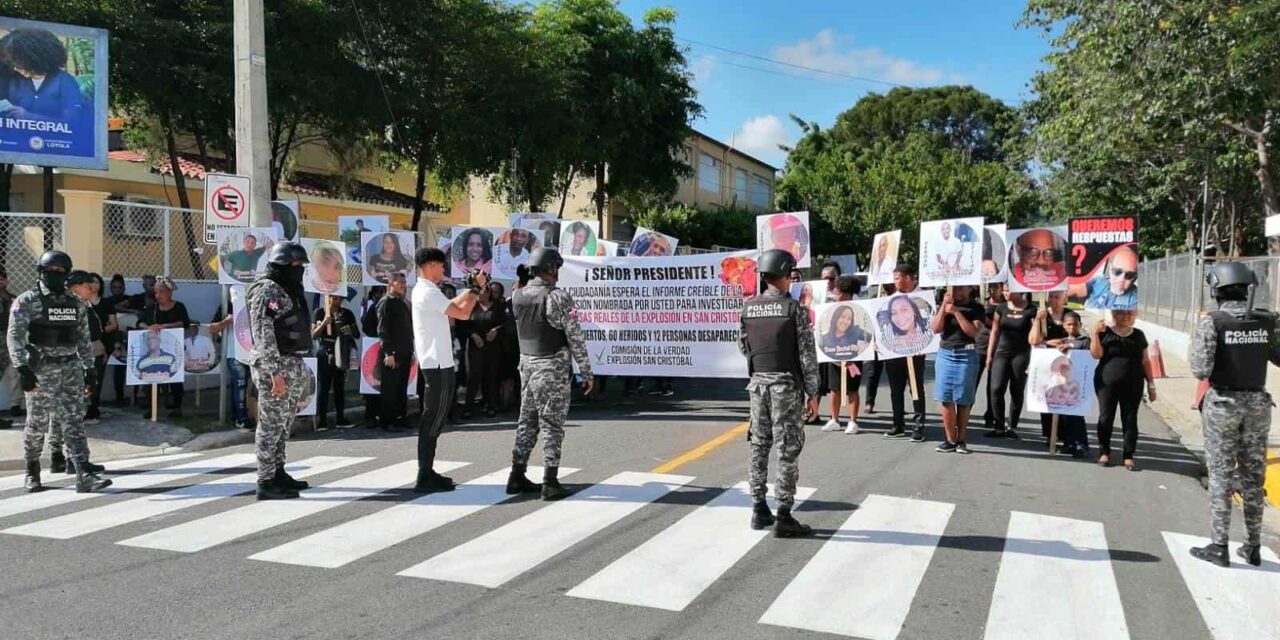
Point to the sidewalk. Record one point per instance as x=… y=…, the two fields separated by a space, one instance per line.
x=1175 y=395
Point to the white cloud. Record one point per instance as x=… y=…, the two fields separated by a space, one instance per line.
x=829 y=52
x=701 y=69
x=760 y=136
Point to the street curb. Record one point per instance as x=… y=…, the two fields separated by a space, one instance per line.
x=202 y=442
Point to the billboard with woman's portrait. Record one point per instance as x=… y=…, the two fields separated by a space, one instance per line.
x=902 y=325
x=327 y=270
x=154 y=357
x=472 y=249
x=242 y=253
x=53 y=94
x=845 y=331
x=386 y=254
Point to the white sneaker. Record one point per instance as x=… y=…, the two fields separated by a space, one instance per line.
x=852 y=429
x=831 y=425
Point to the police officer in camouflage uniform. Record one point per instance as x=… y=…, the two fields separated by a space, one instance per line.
x=49 y=342
x=549 y=333
x=776 y=340
x=281 y=327
x=1230 y=350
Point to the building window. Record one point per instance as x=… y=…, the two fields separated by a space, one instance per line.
x=761 y=192
x=740 y=186
x=708 y=173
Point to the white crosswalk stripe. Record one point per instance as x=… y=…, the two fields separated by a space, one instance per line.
x=1052 y=570
x=113 y=515
x=504 y=553
x=862 y=581
x=33 y=501
x=675 y=566
x=220 y=528
x=350 y=541
x=14 y=482
x=1237 y=603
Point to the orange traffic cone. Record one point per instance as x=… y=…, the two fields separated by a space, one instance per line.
x=1157 y=360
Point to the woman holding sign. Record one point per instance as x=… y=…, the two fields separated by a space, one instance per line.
x=843 y=340
x=1008 y=354
x=958 y=320
x=1121 y=350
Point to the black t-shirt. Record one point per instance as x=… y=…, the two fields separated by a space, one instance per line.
x=984 y=334
x=155 y=315
x=103 y=310
x=1054 y=330
x=1015 y=329
x=483 y=320
x=1121 y=362
x=953 y=337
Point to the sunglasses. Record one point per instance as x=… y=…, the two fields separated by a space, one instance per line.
x=1127 y=275
x=1052 y=255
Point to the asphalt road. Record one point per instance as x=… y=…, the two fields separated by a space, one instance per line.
x=1004 y=543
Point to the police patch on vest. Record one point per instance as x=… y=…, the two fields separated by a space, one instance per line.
x=765 y=310
x=1256 y=336
x=61 y=314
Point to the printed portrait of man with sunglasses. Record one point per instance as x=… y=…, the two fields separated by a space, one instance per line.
x=1114 y=287
x=1039 y=260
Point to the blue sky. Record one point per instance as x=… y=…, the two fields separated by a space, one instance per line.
x=911 y=42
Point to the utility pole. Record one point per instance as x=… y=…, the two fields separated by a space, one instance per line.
x=252 y=148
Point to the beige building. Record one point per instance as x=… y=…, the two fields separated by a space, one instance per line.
x=722 y=177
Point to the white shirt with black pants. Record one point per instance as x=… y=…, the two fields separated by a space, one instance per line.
x=433 y=346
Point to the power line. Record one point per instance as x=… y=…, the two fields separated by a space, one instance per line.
x=791 y=64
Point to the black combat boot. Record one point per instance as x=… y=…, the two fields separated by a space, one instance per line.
x=33 y=477
x=283 y=480
x=551 y=488
x=518 y=482
x=271 y=491
x=58 y=463
x=1250 y=553
x=1215 y=553
x=787 y=527
x=431 y=482
x=88 y=481
x=761 y=516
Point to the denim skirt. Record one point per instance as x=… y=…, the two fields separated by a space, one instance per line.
x=956 y=376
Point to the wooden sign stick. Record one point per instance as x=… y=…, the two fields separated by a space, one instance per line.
x=1053 y=436
x=155 y=402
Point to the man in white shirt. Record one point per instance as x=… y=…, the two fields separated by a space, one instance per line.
x=433 y=346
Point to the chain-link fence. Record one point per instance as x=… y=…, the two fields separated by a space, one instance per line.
x=146 y=239
x=1172 y=292
x=24 y=237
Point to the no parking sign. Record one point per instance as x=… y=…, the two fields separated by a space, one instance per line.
x=227 y=200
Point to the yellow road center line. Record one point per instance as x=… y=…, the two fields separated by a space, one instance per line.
x=701 y=450
x=1272 y=481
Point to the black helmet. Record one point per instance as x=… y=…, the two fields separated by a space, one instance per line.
x=544 y=258
x=776 y=262
x=1226 y=274
x=54 y=259
x=285 y=253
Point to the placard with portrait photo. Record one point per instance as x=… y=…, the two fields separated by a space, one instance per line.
x=327 y=270
x=472 y=249
x=154 y=357
x=242 y=253
x=995 y=253
x=902 y=324
x=579 y=237
x=845 y=331
x=388 y=253
x=884 y=257
x=788 y=232
x=1061 y=383
x=512 y=248
x=951 y=252
x=351 y=229
x=1037 y=259
x=307 y=405
x=647 y=243
x=202 y=352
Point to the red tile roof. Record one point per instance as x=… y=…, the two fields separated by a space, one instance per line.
x=299 y=182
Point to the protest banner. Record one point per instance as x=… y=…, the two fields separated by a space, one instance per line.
x=154 y=357
x=579 y=238
x=995 y=254
x=845 y=331
x=901 y=324
x=472 y=249
x=242 y=253
x=386 y=254
x=285 y=215
x=786 y=231
x=512 y=248
x=1102 y=269
x=351 y=230
x=884 y=257
x=327 y=270
x=55 y=103
x=1061 y=383
x=671 y=317
x=1037 y=259
x=653 y=244
x=951 y=252
x=307 y=405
